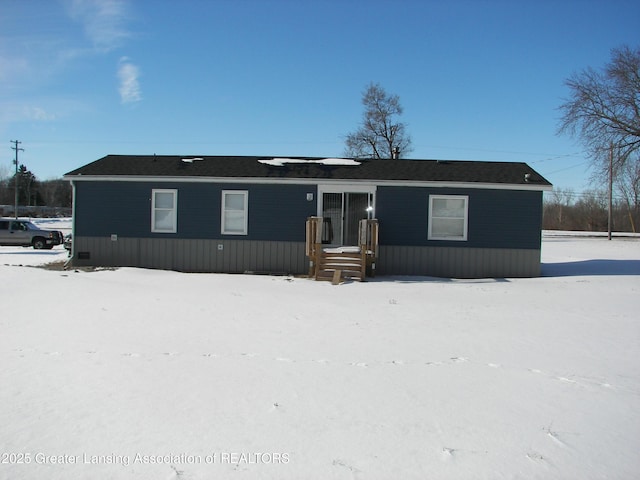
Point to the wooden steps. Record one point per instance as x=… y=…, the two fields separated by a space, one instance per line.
x=334 y=266
x=337 y=263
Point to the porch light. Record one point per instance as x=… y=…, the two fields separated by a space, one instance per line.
x=369 y=211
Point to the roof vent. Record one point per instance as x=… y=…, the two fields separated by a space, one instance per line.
x=527 y=177
x=191 y=160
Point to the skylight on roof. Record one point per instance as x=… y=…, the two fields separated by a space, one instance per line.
x=281 y=162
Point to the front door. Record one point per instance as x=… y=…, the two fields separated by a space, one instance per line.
x=342 y=212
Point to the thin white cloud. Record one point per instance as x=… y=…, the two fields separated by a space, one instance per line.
x=18 y=111
x=104 y=21
x=129 y=88
x=39 y=114
x=69 y=31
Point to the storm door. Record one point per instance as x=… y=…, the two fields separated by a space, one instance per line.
x=342 y=212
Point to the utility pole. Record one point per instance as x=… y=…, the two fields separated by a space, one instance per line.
x=610 y=219
x=17 y=149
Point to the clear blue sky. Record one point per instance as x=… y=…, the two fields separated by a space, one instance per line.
x=478 y=80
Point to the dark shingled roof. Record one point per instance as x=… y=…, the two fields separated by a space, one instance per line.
x=511 y=173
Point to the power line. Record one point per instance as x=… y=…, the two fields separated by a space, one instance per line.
x=583 y=194
x=563 y=169
x=549 y=156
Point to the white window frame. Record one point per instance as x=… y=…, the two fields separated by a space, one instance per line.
x=173 y=210
x=223 y=228
x=465 y=218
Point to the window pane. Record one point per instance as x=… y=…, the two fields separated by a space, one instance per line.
x=234 y=213
x=447 y=227
x=164 y=200
x=163 y=213
x=234 y=201
x=164 y=220
x=448 y=217
x=234 y=221
x=448 y=207
x=332 y=214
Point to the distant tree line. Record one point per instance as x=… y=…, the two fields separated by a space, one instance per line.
x=33 y=192
x=588 y=211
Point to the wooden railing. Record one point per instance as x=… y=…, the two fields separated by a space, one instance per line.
x=333 y=264
x=368 y=242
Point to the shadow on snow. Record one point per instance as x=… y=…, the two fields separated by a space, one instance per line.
x=599 y=267
x=591 y=268
x=425 y=279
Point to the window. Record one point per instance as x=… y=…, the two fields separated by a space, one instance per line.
x=448 y=216
x=19 y=226
x=164 y=211
x=234 y=212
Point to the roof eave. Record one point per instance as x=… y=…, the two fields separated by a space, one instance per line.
x=311 y=181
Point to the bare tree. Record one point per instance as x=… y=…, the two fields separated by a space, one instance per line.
x=4 y=178
x=380 y=135
x=628 y=184
x=591 y=211
x=603 y=110
x=4 y=172
x=555 y=208
x=55 y=192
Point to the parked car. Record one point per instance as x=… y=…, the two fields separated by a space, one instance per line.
x=25 y=233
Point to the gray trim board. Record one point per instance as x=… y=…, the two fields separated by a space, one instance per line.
x=456 y=262
x=312 y=181
x=192 y=255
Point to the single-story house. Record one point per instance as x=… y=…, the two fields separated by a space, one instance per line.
x=464 y=219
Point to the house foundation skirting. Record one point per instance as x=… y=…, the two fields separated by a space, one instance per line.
x=192 y=255
x=259 y=256
x=458 y=262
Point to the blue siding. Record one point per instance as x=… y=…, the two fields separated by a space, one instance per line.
x=276 y=212
x=279 y=212
x=497 y=218
x=105 y=208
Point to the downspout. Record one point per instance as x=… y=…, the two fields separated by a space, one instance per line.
x=72 y=253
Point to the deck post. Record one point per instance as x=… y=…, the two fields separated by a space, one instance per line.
x=313 y=240
x=368 y=242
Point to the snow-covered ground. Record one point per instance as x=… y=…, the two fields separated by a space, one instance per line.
x=139 y=374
